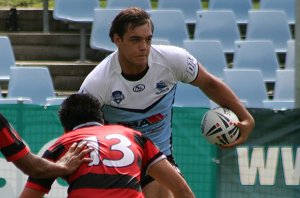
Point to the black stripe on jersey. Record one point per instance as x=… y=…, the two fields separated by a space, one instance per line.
x=45 y=183
x=151 y=160
x=140 y=110
x=13 y=148
x=17 y=144
x=140 y=140
x=105 y=181
x=55 y=153
x=3 y=122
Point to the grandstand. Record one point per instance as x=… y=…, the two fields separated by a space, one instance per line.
x=59 y=47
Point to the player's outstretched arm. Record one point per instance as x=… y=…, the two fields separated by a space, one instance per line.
x=165 y=173
x=38 y=167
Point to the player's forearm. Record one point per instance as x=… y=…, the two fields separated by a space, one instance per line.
x=31 y=193
x=39 y=168
x=183 y=193
x=167 y=175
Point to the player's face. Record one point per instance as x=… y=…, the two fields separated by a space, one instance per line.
x=134 y=47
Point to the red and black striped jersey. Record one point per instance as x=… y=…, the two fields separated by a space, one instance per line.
x=11 y=145
x=119 y=154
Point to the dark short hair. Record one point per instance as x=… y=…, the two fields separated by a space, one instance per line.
x=131 y=17
x=78 y=109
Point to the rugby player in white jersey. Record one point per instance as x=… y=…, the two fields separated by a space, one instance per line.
x=136 y=86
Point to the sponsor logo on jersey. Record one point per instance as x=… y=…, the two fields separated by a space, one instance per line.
x=161 y=87
x=138 y=88
x=117 y=96
x=191 y=65
x=144 y=122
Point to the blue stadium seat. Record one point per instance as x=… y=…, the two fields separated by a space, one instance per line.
x=17 y=100
x=188 y=95
x=217 y=24
x=54 y=100
x=170 y=25
x=100 y=29
x=188 y=8
x=145 y=4
x=240 y=8
x=160 y=42
x=257 y=54
x=290 y=55
x=248 y=84
x=7 y=58
x=288 y=6
x=284 y=91
x=269 y=25
x=209 y=53
x=77 y=13
x=31 y=82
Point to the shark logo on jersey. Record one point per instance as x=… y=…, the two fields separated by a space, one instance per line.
x=161 y=87
x=117 y=96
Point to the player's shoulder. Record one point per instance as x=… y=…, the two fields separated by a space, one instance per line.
x=168 y=56
x=108 y=63
x=167 y=49
x=104 y=69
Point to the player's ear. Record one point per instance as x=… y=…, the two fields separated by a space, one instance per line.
x=117 y=39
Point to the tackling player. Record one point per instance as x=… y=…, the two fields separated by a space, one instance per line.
x=119 y=153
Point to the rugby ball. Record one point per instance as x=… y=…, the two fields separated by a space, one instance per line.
x=218 y=126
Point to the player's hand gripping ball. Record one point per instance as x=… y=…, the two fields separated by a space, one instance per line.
x=218 y=126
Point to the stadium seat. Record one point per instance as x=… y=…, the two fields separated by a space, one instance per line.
x=7 y=58
x=18 y=100
x=190 y=96
x=240 y=8
x=284 y=91
x=217 y=24
x=257 y=54
x=78 y=13
x=145 y=4
x=100 y=29
x=209 y=53
x=160 y=42
x=269 y=25
x=288 y=6
x=31 y=82
x=290 y=55
x=188 y=8
x=170 y=25
x=54 y=100
x=248 y=84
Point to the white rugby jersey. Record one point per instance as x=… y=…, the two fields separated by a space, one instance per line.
x=145 y=104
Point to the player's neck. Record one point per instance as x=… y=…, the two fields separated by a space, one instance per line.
x=135 y=77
